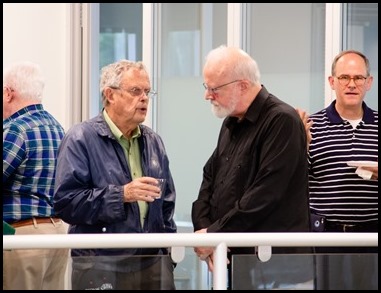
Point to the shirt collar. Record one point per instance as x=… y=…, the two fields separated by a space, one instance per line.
x=116 y=131
x=335 y=118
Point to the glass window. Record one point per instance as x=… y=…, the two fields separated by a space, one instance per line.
x=185 y=121
x=287 y=41
x=361 y=22
x=120 y=32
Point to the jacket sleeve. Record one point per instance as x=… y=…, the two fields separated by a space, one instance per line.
x=77 y=198
x=157 y=151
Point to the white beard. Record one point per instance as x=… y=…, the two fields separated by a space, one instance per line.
x=222 y=112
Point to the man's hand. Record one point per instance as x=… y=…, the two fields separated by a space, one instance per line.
x=206 y=253
x=307 y=124
x=374 y=171
x=203 y=252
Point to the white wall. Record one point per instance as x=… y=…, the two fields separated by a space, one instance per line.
x=40 y=33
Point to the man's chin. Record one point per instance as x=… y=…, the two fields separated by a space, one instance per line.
x=219 y=112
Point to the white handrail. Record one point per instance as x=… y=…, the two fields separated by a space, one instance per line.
x=220 y=241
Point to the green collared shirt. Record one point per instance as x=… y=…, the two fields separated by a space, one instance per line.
x=132 y=153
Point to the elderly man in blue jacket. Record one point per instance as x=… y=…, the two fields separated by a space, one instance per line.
x=106 y=182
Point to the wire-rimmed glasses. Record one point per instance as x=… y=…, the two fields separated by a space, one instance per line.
x=215 y=89
x=137 y=92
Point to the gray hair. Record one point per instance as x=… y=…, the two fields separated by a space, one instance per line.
x=239 y=64
x=112 y=74
x=26 y=79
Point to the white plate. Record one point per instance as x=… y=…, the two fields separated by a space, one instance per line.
x=362 y=164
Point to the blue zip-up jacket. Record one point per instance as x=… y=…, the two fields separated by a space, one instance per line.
x=91 y=172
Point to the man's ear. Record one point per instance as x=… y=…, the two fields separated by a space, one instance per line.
x=108 y=93
x=369 y=82
x=331 y=80
x=244 y=85
x=8 y=94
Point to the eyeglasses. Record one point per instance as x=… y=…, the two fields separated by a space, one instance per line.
x=137 y=92
x=344 y=80
x=215 y=89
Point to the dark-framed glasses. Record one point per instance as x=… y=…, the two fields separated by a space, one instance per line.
x=215 y=89
x=344 y=80
x=136 y=91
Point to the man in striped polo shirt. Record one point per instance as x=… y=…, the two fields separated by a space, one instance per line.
x=343 y=143
x=345 y=131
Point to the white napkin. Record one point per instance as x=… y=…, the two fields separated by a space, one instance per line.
x=365 y=174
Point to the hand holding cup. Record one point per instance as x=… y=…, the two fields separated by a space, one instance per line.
x=161 y=183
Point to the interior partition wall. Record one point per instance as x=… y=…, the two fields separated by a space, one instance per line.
x=294 y=45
